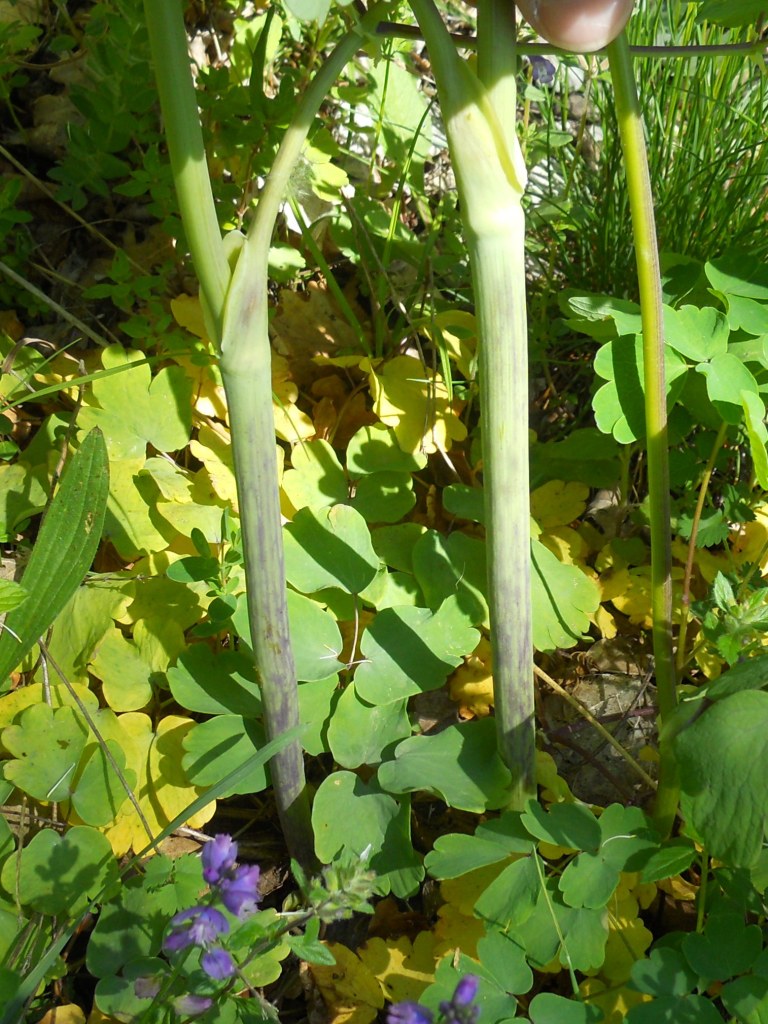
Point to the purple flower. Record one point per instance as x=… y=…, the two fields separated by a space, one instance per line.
x=240 y=892
x=460 y=1010
x=466 y=990
x=542 y=70
x=190 y=1006
x=218 y=858
x=217 y=964
x=408 y=1013
x=197 y=926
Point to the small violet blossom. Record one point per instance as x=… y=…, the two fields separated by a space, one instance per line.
x=240 y=892
x=218 y=858
x=190 y=1006
x=218 y=964
x=460 y=1009
x=408 y=1013
x=198 y=926
x=542 y=70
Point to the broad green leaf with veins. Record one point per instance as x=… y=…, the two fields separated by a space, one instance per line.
x=410 y=650
x=134 y=409
x=46 y=746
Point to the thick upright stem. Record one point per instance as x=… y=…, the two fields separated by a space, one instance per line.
x=178 y=103
x=479 y=112
x=498 y=273
x=649 y=280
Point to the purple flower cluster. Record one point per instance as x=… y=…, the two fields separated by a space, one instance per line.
x=237 y=886
x=460 y=1009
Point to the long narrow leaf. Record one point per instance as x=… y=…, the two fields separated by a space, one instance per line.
x=63 y=552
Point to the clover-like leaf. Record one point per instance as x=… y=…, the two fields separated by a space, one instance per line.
x=723 y=758
x=329 y=547
x=563 y=599
x=46 y=745
x=61 y=875
x=459 y=764
x=410 y=650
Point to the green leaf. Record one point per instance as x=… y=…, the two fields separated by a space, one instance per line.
x=549 y=1008
x=317 y=477
x=359 y=732
x=725 y=948
x=735 y=273
x=374 y=449
x=620 y=403
x=63 y=552
x=61 y=875
x=315 y=639
x=741 y=15
x=459 y=764
x=395 y=544
x=215 y=683
x=666 y=972
x=687 y=1009
x=11 y=595
x=754 y=415
x=747 y=999
x=673 y=858
x=124 y=674
x=464 y=502
x=316 y=702
x=46 y=746
x=222 y=745
x=329 y=547
x=411 y=650
x=698 y=334
x=137 y=409
x=384 y=497
x=723 y=758
x=100 y=792
x=573 y=826
x=511 y=898
x=562 y=598
x=591 y=878
x=453 y=565
x=576 y=935
x=456 y=854
x=380 y=822
x=727 y=377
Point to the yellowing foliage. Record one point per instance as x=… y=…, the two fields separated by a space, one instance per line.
x=413 y=400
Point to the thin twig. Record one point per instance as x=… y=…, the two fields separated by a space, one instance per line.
x=584 y=711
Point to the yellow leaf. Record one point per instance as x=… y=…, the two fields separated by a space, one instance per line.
x=679 y=889
x=67 y=1014
x=291 y=424
x=569 y=546
x=403 y=969
x=614 y=1002
x=188 y=313
x=557 y=503
x=457 y=330
x=214 y=449
x=413 y=400
x=349 y=989
x=628 y=938
x=19 y=700
x=555 y=789
x=162 y=790
x=455 y=930
x=471 y=685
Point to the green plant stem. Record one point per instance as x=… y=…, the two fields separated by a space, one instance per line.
x=649 y=279
x=479 y=115
x=246 y=369
x=686 y=596
x=168 y=40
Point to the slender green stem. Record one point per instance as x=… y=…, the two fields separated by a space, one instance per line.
x=246 y=369
x=649 y=279
x=686 y=597
x=168 y=40
x=479 y=112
